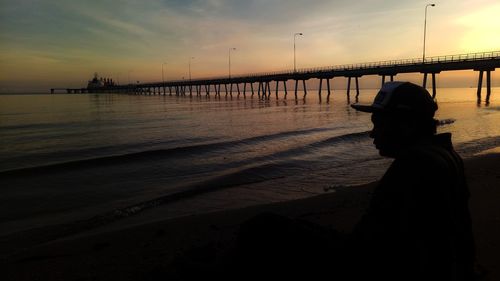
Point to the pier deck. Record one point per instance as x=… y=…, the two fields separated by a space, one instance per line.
x=485 y=62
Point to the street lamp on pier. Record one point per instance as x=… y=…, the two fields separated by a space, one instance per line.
x=190 y=58
x=129 y=76
x=294 y=48
x=425 y=28
x=117 y=77
x=234 y=49
x=162 y=74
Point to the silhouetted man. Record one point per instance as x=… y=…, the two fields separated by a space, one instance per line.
x=418 y=224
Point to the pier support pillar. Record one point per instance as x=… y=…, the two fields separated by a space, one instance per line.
x=357 y=88
x=305 y=88
x=348 y=89
x=488 y=86
x=268 y=89
x=238 y=88
x=328 y=87
x=251 y=87
x=480 y=86
x=383 y=81
x=244 y=89
x=277 y=87
x=434 y=92
x=392 y=78
x=320 y=88
x=433 y=77
x=284 y=87
x=296 y=86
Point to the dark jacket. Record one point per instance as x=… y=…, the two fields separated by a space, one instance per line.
x=418 y=224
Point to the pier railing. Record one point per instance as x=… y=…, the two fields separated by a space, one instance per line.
x=368 y=65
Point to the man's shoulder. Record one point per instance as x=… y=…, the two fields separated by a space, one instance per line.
x=428 y=160
x=421 y=154
x=437 y=150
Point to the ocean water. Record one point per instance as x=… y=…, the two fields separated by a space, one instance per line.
x=67 y=158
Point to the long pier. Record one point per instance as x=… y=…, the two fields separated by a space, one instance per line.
x=262 y=83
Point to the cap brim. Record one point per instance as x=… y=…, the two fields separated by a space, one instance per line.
x=363 y=108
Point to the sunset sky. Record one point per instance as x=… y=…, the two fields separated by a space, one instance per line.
x=55 y=43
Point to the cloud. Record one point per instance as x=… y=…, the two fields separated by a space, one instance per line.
x=117 y=36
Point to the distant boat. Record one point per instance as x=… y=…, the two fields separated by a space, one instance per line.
x=99 y=83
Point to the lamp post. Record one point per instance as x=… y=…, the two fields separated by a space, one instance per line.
x=425 y=28
x=294 y=48
x=162 y=74
x=234 y=49
x=190 y=58
x=129 y=76
x=163 y=77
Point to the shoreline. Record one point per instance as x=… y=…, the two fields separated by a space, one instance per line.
x=147 y=251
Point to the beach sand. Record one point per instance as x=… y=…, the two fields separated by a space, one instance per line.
x=150 y=251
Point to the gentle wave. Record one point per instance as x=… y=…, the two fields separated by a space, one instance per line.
x=157 y=154
x=306 y=149
x=470 y=148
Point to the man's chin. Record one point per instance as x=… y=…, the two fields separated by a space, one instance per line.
x=386 y=153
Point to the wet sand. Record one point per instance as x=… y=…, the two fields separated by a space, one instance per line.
x=149 y=251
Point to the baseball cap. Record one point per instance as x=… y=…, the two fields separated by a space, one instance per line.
x=401 y=97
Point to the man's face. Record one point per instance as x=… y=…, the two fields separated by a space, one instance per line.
x=385 y=134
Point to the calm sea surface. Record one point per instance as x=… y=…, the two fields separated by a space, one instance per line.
x=89 y=154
